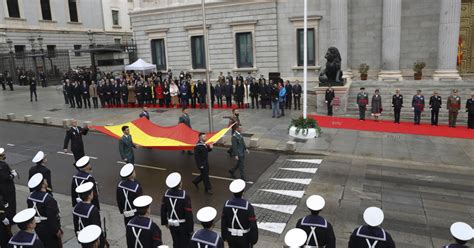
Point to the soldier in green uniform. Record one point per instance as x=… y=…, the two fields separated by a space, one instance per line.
x=126 y=146
x=362 y=101
x=453 y=105
x=239 y=149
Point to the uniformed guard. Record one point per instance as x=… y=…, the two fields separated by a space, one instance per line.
x=371 y=235
x=435 y=105
x=453 y=104
x=8 y=195
x=85 y=213
x=26 y=237
x=206 y=238
x=461 y=233
x=127 y=191
x=470 y=111
x=83 y=176
x=238 y=223
x=295 y=238
x=40 y=160
x=89 y=237
x=142 y=232
x=48 y=224
x=319 y=230
x=176 y=212
x=418 y=105
x=362 y=101
x=239 y=148
x=397 y=104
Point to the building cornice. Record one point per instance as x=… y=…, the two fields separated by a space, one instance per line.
x=157 y=30
x=59 y=30
x=191 y=27
x=243 y=23
x=301 y=18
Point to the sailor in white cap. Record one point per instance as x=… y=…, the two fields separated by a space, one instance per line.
x=206 y=237
x=141 y=230
x=461 y=233
x=89 y=236
x=319 y=230
x=176 y=212
x=371 y=235
x=40 y=161
x=238 y=223
x=74 y=134
x=82 y=176
x=26 y=237
x=48 y=224
x=128 y=189
x=85 y=213
x=7 y=198
x=295 y=238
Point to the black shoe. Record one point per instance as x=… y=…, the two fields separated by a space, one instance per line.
x=196 y=185
x=232 y=174
x=190 y=153
x=209 y=192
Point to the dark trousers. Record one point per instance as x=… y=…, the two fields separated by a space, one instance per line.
x=102 y=101
x=288 y=102
x=417 y=117
x=434 y=116
x=4 y=235
x=297 y=102
x=362 y=112
x=264 y=103
x=78 y=153
x=202 y=101
x=470 y=121
x=193 y=102
x=95 y=102
x=329 y=105
x=453 y=116
x=160 y=102
x=10 y=84
x=66 y=99
x=282 y=108
x=254 y=101
x=3 y=85
x=46 y=236
x=219 y=101
x=44 y=83
x=116 y=101
x=181 y=237
x=33 y=92
x=72 y=102
x=240 y=102
x=228 y=100
x=396 y=114
x=184 y=102
x=87 y=101
x=204 y=177
x=78 y=101
x=125 y=100
x=240 y=167
x=239 y=242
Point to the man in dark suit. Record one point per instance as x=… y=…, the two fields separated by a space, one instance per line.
x=435 y=105
x=126 y=146
x=297 y=94
x=33 y=89
x=201 y=151
x=289 y=94
x=202 y=91
x=74 y=134
x=70 y=93
x=229 y=90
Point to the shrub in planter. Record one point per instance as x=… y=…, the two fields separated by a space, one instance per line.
x=363 y=70
x=302 y=125
x=418 y=68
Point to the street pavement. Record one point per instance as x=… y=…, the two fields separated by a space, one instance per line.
x=422 y=183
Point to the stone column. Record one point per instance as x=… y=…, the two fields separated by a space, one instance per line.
x=339 y=33
x=392 y=17
x=448 y=35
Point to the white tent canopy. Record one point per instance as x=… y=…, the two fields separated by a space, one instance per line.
x=140 y=65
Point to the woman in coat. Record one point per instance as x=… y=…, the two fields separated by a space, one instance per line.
x=376 y=106
x=159 y=94
x=246 y=94
x=131 y=94
x=174 y=94
x=166 y=94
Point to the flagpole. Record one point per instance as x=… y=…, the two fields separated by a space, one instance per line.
x=208 y=80
x=305 y=62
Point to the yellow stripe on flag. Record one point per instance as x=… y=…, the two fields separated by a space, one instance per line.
x=217 y=136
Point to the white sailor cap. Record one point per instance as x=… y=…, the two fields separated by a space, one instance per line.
x=163 y=246
x=82 y=162
x=206 y=214
x=315 y=202
x=127 y=170
x=173 y=180
x=237 y=186
x=89 y=234
x=24 y=215
x=373 y=216
x=38 y=157
x=35 y=180
x=2 y=151
x=142 y=201
x=295 y=237
x=462 y=231
x=85 y=187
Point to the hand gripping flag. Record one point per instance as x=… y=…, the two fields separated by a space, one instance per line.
x=147 y=134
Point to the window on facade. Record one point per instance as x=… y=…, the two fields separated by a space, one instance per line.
x=311 y=47
x=13 y=8
x=19 y=50
x=77 y=47
x=46 y=10
x=244 y=44
x=51 y=50
x=197 y=52
x=117 y=41
x=115 y=17
x=73 y=17
x=158 y=53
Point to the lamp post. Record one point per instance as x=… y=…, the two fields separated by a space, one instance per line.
x=40 y=43
x=208 y=80
x=12 y=60
x=33 y=53
x=90 y=34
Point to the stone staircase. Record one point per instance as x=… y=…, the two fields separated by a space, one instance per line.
x=408 y=89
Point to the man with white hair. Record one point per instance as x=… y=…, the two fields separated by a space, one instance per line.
x=74 y=134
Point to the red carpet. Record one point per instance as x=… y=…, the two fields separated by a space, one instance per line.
x=460 y=132
x=164 y=107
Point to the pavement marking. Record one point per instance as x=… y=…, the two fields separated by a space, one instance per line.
x=10 y=144
x=304 y=181
x=292 y=193
x=310 y=161
x=274 y=227
x=222 y=178
x=70 y=154
x=305 y=170
x=286 y=209
x=144 y=166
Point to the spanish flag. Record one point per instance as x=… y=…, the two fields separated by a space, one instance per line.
x=146 y=134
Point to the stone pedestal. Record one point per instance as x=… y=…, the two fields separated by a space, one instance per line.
x=387 y=75
x=11 y=116
x=341 y=92
x=46 y=120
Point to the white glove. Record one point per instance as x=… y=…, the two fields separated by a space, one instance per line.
x=14 y=173
x=78 y=200
x=6 y=222
x=326 y=101
x=412 y=108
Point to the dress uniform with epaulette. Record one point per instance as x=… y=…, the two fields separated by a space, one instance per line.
x=26 y=237
x=461 y=233
x=48 y=224
x=85 y=213
x=319 y=230
x=435 y=105
x=83 y=176
x=8 y=198
x=206 y=238
x=397 y=104
x=40 y=159
x=295 y=238
x=89 y=236
x=371 y=235
x=453 y=105
x=362 y=101
x=418 y=105
x=142 y=232
x=176 y=212
x=127 y=191
x=239 y=224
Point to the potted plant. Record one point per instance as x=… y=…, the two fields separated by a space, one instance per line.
x=363 y=70
x=418 y=68
x=304 y=128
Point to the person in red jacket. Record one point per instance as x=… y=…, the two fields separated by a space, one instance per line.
x=159 y=94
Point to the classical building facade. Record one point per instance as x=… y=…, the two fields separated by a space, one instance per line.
x=266 y=36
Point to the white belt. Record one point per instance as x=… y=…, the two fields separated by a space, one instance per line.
x=238 y=232
x=172 y=222
x=40 y=219
x=314 y=246
x=130 y=213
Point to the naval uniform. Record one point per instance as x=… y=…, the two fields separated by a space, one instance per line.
x=127 y=191
x=177 y=213
x=74 y=134
x=23 y=239
x=39 y=168
x=142 y=232
x=371 y=237
x=435 y=105
x=80 y=178
x=239 y=224
x=319 y=230
x=85 y=214
x=455 y=246
x=7 y=190
x=397 y=104
x=47 y=217
x=5 y=232
x=206 y=238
